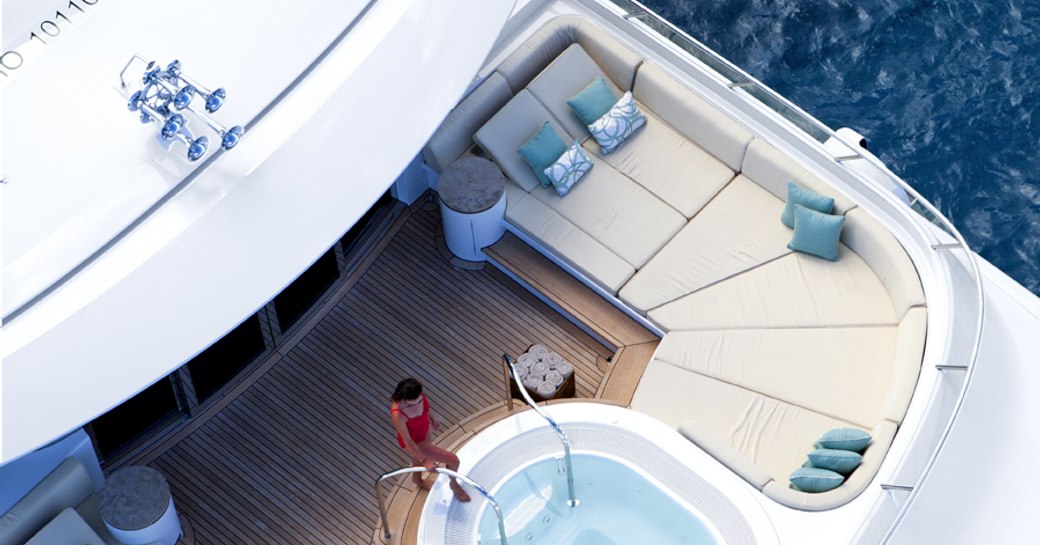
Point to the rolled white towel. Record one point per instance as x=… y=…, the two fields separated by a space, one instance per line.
x=565 y=369
x=525 y=360
x=540 y=368
x=532 y=382
x=546 y=389
x=522 y=371
x=553 y=359
x=539 y=350
x=555 y=378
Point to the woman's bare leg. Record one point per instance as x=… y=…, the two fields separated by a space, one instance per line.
x=417 y=477
x=450 y=461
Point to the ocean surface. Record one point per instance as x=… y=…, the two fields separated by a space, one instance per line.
x=944 y=91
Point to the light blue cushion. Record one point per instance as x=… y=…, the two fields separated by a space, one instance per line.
x=593 y=101
x=797 y=194
x=618 y=124
x=816 y=233
x=844 y=439
x=542 y=150
x=568 y=169
x=838 y=461
x=814 y=479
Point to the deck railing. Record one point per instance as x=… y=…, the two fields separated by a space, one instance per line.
x=951 y=250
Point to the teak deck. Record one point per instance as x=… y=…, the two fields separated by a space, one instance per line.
x=290 y=456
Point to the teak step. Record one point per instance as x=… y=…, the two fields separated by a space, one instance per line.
x=626 y=370
x=574 y=299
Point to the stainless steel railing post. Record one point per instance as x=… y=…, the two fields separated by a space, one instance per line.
x=466 y=480
x=572 y=501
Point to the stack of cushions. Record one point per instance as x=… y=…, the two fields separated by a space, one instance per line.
x=837 y=454
x=609 y=120
x=816 y=230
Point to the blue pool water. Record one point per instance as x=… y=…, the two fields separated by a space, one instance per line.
x=617 y=506
x=944 y=90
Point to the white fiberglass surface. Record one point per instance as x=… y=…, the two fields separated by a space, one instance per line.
x=636 y=480
x=80 y=167
x=618 y=506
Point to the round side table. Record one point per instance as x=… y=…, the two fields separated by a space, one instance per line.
x=137 y=507
x=473 y=205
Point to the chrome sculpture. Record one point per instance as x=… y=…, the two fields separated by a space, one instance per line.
x=164 y=98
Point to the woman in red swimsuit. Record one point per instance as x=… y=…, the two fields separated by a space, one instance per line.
x=412 y=418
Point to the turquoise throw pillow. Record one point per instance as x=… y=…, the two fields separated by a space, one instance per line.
x=568 y=169
x=542 y=150
x=844 y=439
x=814 y=479
x=838 y=461
x=816 y=233
x=593 y=101
x=797 y=194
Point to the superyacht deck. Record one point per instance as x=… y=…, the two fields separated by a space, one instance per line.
x=289 y=455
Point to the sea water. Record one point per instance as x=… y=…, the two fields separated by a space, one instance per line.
x=944 y=91
x=617 y=506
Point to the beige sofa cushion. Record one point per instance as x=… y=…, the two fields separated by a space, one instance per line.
x=455 y=135
x=796 y=290
x=906 y=364
x=68 y=528
x=779 y=491
x=721 y=451
x=511 y=128
x=567 y=242
x=616 y=212
x=67 y=486
x=571 y=72
x=876 y=245
x=616 y=60
x=843 y=373
x=773 y=435
x=668 y=164
x=738 y=230
x=771 y=169
x=692 y=116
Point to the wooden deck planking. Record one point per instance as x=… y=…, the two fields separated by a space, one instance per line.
x=293 y=457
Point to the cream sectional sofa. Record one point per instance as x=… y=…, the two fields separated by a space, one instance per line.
x=765 y=349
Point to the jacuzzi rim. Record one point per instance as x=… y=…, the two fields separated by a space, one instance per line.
x=755 y=526
x=667 y=490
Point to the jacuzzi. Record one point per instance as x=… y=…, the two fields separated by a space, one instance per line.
x=637 y=482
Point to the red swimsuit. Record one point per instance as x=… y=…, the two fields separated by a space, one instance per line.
x=418 y=426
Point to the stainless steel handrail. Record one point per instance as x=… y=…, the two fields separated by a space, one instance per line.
x=915 y=197
x=572 y=501
x=418 y=469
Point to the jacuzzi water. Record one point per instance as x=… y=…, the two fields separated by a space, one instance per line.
x=617 y=506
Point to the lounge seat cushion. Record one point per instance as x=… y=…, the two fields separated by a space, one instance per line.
x=737 y=231
x=876 y=245
x=616 y=212
x=669 y=165
x=511 y=128
x=567 y=76
x=569 y=243
x=455 y=134
x=772 y=169
x=616 y=60
x=843 y=373
x=771 y=434
x=691 y=115
x=68 y=528
x=795 y=290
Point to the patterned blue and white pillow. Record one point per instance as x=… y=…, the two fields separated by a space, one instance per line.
x=568 y=169
x=618 y=124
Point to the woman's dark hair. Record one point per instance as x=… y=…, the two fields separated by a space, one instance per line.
x=408 y=388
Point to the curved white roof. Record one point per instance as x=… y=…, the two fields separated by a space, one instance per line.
x=121 y=260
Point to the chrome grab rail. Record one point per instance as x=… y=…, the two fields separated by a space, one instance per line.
x=572 y=501
x=747 y=81
x=418 y=469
